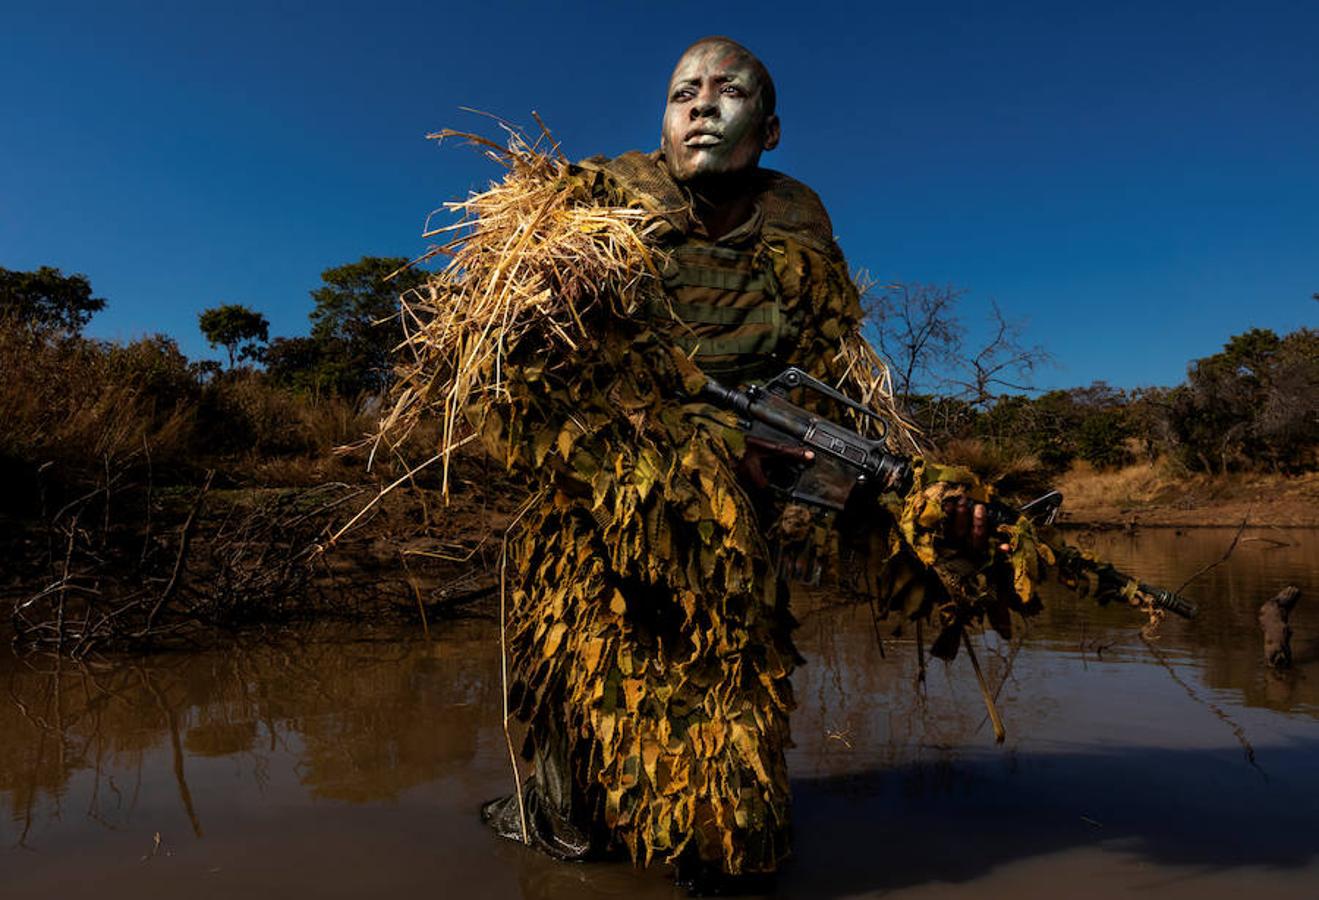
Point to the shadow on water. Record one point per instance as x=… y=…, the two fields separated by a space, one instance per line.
x=958 y=819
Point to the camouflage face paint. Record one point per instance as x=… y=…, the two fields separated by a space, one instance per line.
x=714 y=121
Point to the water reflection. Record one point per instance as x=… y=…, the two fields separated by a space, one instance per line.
x=336 y=762
x=363 y=720
x=1225 y=641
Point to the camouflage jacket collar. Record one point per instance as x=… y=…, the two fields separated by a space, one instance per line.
x=788 y=208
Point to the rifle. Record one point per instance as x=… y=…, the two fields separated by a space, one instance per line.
x=822 y=463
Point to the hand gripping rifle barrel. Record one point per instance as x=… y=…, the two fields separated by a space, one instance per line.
x=766 y=414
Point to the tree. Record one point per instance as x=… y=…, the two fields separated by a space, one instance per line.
x=1256 y=402
x=154 y=364
x=942 y=383
x=350 y=321
x=1002 y=363
x=48 y=300
x=299 y=363
x=235 y=328
x=917 y=331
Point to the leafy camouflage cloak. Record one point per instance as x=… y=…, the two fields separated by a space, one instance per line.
x=647 y=625
x=647 y=628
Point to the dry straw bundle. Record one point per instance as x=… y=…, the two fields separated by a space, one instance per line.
x=528 y=256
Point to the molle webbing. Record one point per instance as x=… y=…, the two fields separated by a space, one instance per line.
x=723 y=308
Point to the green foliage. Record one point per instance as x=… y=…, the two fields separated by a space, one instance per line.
x=1254 y=404
x=1101 y=439
x=354 y=331
x=297 y=362
x=47 y=300
x=1089 y=423
x=236 y=328
x=353 y=326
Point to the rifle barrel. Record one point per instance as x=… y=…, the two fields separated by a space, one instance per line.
x=1172 y=602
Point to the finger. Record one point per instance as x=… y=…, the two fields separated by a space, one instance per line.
x=752 y=468
x=950 y=519
x=980 y=527
x=962 y=525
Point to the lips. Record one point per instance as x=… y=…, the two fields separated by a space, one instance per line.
x=702 y=139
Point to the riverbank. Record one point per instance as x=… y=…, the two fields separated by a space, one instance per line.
x=1147 y=495
x=162 y=564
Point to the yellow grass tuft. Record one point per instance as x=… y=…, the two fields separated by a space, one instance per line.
x=867 y=380
x=526 y=256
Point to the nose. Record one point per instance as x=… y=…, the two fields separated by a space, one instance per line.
x=706 y=105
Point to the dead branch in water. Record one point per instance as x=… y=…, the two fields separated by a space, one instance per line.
x=172 y=565
x=1219 y=713
x=1275 y=623
x=1214 y=565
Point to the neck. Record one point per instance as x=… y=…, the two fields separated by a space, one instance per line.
x=722 y=202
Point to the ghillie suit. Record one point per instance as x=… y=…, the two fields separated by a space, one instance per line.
x=648 y=634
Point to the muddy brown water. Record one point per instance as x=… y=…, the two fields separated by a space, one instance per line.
x=348 y=763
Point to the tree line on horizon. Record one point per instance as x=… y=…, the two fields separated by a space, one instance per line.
x=77 y=408
x=1252 y=406
x=348 y=350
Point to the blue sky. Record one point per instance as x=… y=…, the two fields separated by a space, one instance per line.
x=1138 y=181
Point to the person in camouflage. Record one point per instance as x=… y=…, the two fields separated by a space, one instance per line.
x=650 y=640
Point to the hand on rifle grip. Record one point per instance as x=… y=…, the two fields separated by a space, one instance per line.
x=968 y=525
x=752 y=464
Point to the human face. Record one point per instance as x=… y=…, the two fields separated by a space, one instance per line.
x=714 y=123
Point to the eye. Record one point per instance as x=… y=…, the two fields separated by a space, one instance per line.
x=733 y=90
x=682 y=94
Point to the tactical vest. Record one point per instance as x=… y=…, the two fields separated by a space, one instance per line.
x=724 y=309
x=724 y=305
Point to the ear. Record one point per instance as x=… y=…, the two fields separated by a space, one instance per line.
x=771 y=133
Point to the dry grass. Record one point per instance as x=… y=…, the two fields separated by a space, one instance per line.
x=1161 y=493
x=74 y=410
x=62 y=404
x=270 y=435
x=1142 y=484
x=1011 y=471
x=866 y=378
x=526 y=256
